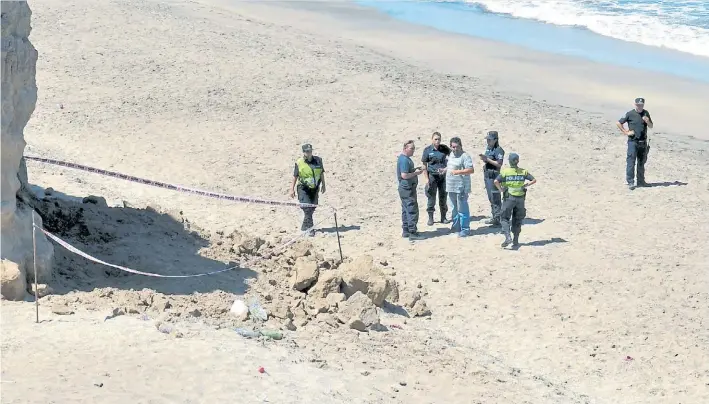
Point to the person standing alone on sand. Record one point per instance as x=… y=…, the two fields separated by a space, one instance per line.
x=309 y=174
x=434 y=158
x=460 y=166
x=638 y=121
x=493 y=159
x=407 y=175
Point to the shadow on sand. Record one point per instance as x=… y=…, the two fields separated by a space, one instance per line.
x=541 y=243
x=342 y=229
x=141 y=239
x=666 y=184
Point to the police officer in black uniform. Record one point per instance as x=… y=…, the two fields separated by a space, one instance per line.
x=638 y=121
x=435 y=157
x=493 y=159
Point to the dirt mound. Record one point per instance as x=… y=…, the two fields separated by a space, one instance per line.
x=286 y=288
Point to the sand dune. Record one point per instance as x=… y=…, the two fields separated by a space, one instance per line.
x=221 y=98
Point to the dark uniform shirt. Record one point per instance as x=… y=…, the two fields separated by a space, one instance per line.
x=496 y=154
x=636 y=123
x=434 y=159
x=405 y=165
x=315 y=162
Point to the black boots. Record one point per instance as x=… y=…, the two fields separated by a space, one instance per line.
x=443 y=219
x=507 y=241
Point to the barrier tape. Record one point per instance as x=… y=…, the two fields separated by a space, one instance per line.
x=173 y=187
x=89 y=257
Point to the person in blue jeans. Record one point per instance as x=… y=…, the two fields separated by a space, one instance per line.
x=458 y=170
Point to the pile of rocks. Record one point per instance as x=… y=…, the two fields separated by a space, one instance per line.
x=299 y=286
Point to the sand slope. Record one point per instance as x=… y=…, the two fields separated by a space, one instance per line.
x=202 y=96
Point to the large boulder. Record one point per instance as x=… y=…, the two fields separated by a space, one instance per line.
x=19 y=96
x=306 y=273
x=358 y=312
x=360 y=275
x=12 y=281
x=328 y=282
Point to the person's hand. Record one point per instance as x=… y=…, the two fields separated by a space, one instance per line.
x=419 y=171
x=629 y=133
x=483 y=157
x=292 y=193
x=442 y=170
x=322 y=188
x=646 y=119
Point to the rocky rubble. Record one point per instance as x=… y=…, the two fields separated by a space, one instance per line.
x=286 y=288
x=295 y=288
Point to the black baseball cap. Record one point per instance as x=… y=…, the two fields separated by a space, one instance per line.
x=307 y=147
x=492 y=135
x=640 y=100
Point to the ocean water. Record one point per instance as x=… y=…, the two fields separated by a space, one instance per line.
x=675 y=24
x=669 y=36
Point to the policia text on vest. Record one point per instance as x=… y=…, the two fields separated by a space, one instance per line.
x=514 y=193
x=309 y=176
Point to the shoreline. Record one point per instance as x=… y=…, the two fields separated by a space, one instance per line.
x=574 y=41
x=562 y=80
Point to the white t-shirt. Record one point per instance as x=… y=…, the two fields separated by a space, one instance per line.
x=458 y=183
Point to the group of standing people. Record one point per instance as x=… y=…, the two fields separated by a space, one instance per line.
x=447 y=170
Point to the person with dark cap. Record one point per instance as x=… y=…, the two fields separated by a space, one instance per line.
x=309 y=174
x=493 y=158
x=514 y=193
x=638 y=120
x=407 y=176
x=434 y=158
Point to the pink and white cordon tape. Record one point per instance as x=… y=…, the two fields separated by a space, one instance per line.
x=173 y=187
x=89 y=257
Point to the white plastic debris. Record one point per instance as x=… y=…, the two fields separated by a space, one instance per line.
x=239 y=309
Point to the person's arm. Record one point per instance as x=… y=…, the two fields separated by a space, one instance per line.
x=424 y=160
x=648 y=120
x=620 y=124
x=403 y=167
x=407 y=176
x=497 y=162
x=467 y=166
x=529 y=177
x=497 y=182
x=295 y=179
x=322 y=182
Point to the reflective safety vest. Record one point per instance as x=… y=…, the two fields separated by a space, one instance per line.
x=308 y=176
x=514 y=180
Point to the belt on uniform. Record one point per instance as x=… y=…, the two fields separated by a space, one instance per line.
x=491 y=173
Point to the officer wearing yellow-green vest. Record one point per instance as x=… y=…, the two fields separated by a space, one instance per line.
x=309 y=174
x=514 y=192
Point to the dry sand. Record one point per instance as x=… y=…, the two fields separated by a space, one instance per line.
x=221 y=98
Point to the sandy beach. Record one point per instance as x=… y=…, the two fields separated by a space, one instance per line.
x=606 y=301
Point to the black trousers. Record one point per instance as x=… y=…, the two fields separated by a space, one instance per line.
x=437 y=184
x=637 y=152
x=307 y=195
x=409 y=210
x=513 y=208
x=493 y=194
